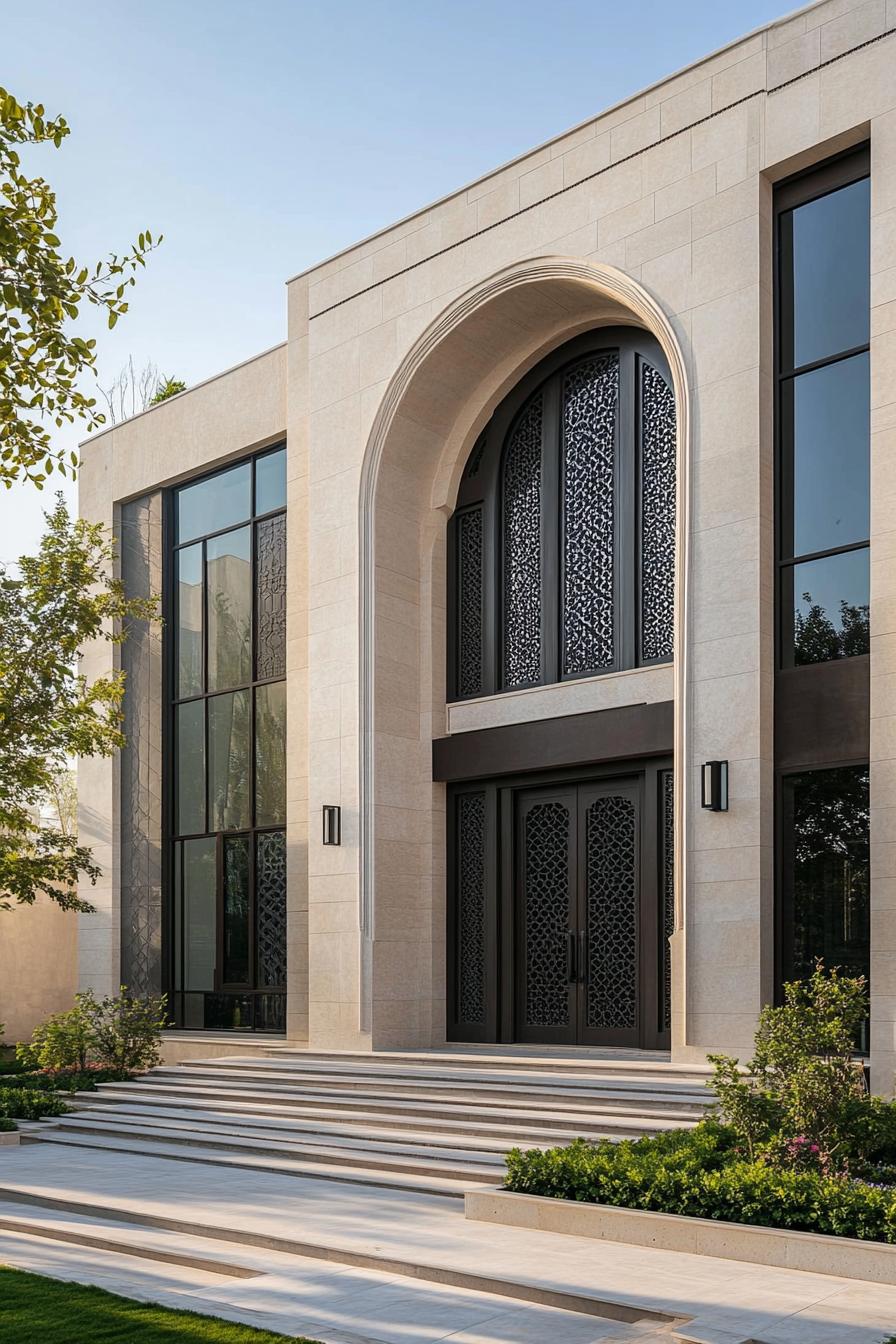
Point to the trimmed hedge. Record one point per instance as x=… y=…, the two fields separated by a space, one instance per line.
x=70 y=1080
x=6 y=1125
x=26 y=1103
x=700 y=1173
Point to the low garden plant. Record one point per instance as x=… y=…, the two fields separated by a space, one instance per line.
x=96 y=1041
x=26 y=1103
x=795 y=1142
x=121 y=1034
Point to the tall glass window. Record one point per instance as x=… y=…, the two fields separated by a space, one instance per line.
x=823 y=413
x=825 y=872
x=227 y=768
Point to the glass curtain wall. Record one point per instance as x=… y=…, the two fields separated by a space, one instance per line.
x=226 y=632
x=823 y=505
x=824 y=423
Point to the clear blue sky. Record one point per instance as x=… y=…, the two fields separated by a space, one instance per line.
x=260 y=137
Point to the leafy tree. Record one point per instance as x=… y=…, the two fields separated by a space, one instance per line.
x=62 y=598
x=816 y=639
x=167 y=387
x=41 y=292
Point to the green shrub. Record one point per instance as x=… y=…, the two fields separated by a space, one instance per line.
x=11 y=1067
x=127 y=1031
x=64 y=1041
x=6 y=1126
x=700 y=1173
x=800 y=1102
x=25 y=1103
x=71 y=1080
x=121 y=1034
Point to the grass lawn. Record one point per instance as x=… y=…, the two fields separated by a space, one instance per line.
x=35 y=1310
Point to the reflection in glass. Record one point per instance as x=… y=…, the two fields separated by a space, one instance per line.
x=189 y=621
x=228 y=761
x=825 y=270
x=215 y=503
x=270 y=482
x=270 y=754
x=236 y=910
x=829 y=600
x=198 y=913
x=190 y=787
x=827 y=414
x=229 y=579
x=826 y=871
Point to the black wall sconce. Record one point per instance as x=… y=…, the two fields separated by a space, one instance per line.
x=714 y=786
x=332 y=824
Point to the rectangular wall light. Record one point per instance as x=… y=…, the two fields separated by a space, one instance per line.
x=332 y=824
x=714 y=786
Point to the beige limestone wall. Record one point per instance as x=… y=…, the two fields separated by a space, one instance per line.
x=38 y=966
x=673 y=189
x=398 y=350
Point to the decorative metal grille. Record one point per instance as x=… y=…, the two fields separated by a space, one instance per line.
x=469 y=603
x=471 y=907
x=667 y=890
x=590 y=403
x=547 y=914
x=141 y=783
x=657 y=514
x=611 y=914
x=270 y=581
x=270 y=907
x=522 y=549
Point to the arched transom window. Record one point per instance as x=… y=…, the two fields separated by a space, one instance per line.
x=562 y=545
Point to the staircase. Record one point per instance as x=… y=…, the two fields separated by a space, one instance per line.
x=438 y=1121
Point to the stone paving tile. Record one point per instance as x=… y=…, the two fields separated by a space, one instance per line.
x=779 y=1306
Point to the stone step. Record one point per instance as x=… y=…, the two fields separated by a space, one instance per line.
x=568 y=1118
x=622 y=1063
x=476 y=1091
x=407 y=1160
x=334 y=1132
x=128 y=1142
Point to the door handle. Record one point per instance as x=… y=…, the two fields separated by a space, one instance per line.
x=571 y=956
x=583 y=957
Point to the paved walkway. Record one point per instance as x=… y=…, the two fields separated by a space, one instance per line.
x=336 y=1302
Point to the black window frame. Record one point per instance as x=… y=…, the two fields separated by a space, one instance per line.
x=854 y=165
x=172 y=837
x=481 y=489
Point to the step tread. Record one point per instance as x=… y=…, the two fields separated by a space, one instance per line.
x=250 y=1137
x=287 y=1166
x=374 y=1102
x=339 y=1134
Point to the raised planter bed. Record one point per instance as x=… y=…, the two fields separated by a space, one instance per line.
x=843 y=1257
x=8 y=1138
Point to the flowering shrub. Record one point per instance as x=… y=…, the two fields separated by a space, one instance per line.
x=699 y=1173
x=800 y=1102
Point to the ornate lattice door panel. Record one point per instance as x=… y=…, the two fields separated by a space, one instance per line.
x=546 y=886
x=610 y=915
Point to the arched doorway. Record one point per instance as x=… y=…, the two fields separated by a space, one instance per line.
x=448 y=387
x=561 y=567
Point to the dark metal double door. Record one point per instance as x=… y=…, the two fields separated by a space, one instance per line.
x=585 y=926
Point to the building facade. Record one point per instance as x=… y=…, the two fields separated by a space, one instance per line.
x=558 y=490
